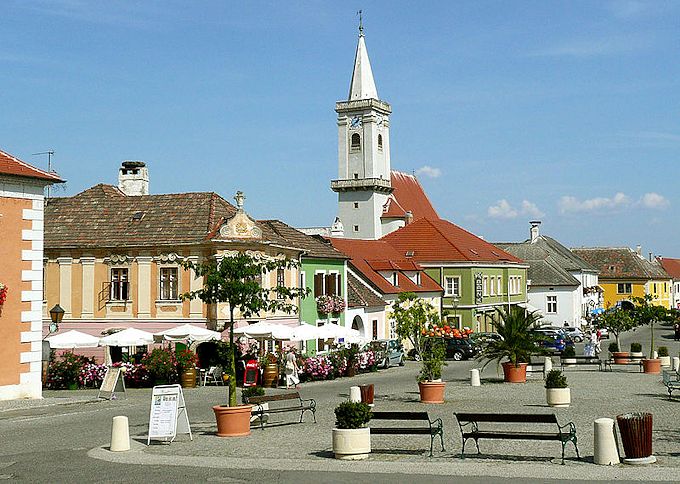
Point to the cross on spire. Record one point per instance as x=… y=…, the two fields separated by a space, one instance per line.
x=361 y=23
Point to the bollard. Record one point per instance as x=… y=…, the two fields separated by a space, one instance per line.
x=354 y=394
x=676 y=363
x=655 y=355
x=120 y=434
x=604 y=443
x=547 y=366
x=474 y=378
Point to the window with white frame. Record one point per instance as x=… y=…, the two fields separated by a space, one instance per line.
x=452 y=286
x=120 y=284
x=280 y=280
x=485 y=285
x=169 y=288
x=393 y=329
x=551 y=306
x=329 y=284
x=499 y=285
x=492 y=286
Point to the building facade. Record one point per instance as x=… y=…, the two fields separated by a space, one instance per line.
x=21 y=276
x=672 y=268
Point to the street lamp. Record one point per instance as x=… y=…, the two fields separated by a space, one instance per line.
x=56 y=315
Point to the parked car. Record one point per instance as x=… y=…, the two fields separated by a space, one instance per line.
x=482 y=338
x=459 y=349
x=389 y=352
x=570 y=332
x=604 y=333
x=552 y=339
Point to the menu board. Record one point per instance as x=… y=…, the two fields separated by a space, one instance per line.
x=168 y=414
x=113 y=382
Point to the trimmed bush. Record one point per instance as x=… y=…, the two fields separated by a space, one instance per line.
x=352 y=415
x=251 y=392
x=635 y=347
x=663 y=351
x=569 y=352
x=613 y=347
x=556 y=379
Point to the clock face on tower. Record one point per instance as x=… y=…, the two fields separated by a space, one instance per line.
x=379 y=120
x=355 y=122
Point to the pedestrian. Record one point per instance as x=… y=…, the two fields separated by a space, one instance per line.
x=292 y=377
x=595 y=341
x=677 y=331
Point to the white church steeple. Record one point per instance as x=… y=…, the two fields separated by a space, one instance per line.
x=363 y=183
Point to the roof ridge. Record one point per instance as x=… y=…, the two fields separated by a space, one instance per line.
x=46 y=174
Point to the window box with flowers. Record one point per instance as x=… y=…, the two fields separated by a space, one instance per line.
x=330 y=304
x=3 y=295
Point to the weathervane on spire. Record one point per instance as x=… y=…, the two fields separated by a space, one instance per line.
x=361 y=23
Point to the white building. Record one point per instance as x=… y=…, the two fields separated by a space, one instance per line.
x=561 y=286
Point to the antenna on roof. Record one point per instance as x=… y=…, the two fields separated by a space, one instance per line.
x=49 y=154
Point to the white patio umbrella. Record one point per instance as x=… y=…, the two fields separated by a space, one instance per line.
x=73 y=339
x=127 y=337
x=305 y=332
x=265 y=330
x=333 y=331
x=188 y=332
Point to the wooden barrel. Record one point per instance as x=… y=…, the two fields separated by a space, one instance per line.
x=188 y=378
x=271 y=376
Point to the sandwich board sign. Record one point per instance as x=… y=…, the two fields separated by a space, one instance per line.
x=168 y=415
x=113 y=382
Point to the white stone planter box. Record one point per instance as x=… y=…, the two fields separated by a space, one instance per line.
x=665 y=360
x=352 y=444
x=558 y=397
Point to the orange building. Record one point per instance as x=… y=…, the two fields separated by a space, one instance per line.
x=21 y=276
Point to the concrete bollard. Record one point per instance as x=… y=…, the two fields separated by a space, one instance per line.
x=676 y=363
x=120 y=434
x=604 y=443
x=655 y=355
x=474 y=378
x=354 y=394
x=547 y=366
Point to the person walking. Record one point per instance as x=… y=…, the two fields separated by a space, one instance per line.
x=292 y=377
x=677 y=331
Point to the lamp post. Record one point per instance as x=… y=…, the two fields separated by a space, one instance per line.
x=56 y=315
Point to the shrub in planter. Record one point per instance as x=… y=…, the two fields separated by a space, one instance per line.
x=351 y=437
x=251 y=392
x=662 y=351
x=557 y=391
x=64 y=370
x=569 y=352
x=664 y=356
x=161 y=365
x=635 y=347
x=613 y=347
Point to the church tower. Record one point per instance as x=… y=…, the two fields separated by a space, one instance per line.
x=363 y=183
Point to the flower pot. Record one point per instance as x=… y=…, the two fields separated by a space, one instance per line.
x=620 y=357
x=514 y=374
x=558 y=397
x=636 y=355
x=232 y=421
x=431 y=392
x=652 y=366
x=188 y=378
x=665 y=360
x=72 y=386
x=352 y=444
x=351 y=371
x=271 y=376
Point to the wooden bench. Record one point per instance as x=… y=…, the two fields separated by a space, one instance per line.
x=296 y=404
x=608 y=363
x=469 y=428
x=672 y=381
x=434 y=427
x=581 y=360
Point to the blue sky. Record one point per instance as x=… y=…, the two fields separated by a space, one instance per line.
x=508 y=111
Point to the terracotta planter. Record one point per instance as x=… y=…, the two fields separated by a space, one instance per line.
x=232 y=421
x=431 y=392
x=188 y=378
x=351 y=444
x=513 y=374
x=271 y=376
x=558 y=397
x=620 y=357
x=652 y=366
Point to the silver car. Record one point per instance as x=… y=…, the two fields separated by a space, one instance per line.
x=389 y=352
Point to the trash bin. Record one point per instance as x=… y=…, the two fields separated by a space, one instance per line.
x=636 y=434
x=366 y=393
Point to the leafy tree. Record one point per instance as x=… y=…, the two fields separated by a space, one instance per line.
x=518 y=343
x=646 y=313
x=235 y=280
x=617 y=321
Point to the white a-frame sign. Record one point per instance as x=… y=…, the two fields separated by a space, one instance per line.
x=168 y=416
x=113 y=382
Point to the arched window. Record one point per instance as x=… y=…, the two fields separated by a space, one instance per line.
x=380 y=142
x=356 y=142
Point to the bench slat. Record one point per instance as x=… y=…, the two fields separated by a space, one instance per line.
x=274 y=398
x=400 y=416
x=507 y=417
x=403 y=430
x=492 y=434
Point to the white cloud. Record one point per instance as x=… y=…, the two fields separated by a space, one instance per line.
x=429 y=171
x=530 y=208
x=654 y=201
x=593 y=47
x=569 y=204
x=502 y=210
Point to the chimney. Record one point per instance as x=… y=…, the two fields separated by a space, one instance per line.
x=651 y=257
x=337 y=229
x=409 y=217
x=133 y=178
x=638 y=249
x=534 y=230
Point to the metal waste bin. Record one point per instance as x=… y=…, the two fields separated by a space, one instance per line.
x=636 y=434
x=366 y=393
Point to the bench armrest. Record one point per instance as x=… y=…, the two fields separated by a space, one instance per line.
x=572 y=428
x=312 y=403
x=438 y=422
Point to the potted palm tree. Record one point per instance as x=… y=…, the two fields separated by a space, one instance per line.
x=517 y=344
x=235 y=280
x=557 y=392
x=646 y=313
x=351 y=437
x=415 y=320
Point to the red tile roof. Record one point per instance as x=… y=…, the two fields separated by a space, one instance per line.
x=408 y=195
x=10 y=165
x=439 y=240
x=367 y=255
x=672 y=266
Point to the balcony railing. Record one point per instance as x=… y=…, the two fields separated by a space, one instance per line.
x=377 y=184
